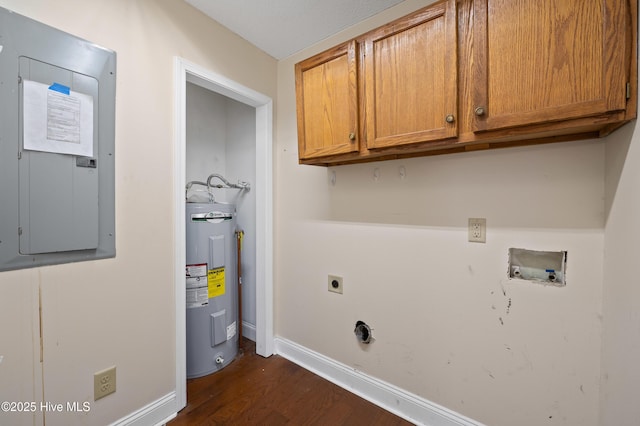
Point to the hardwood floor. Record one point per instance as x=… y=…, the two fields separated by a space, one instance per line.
x=253 y=390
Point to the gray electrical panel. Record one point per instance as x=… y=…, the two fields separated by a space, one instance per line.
x=57 y=143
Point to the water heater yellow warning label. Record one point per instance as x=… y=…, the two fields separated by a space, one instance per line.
x=215 y=281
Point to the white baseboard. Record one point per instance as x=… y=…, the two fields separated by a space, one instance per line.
x=387 y=396
x=249 y=331
x=158 y=412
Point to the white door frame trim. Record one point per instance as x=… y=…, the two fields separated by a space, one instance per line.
x=185 y=71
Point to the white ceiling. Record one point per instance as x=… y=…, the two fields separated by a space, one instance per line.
x=284 y=27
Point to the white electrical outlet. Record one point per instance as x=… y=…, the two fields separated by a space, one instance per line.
x=104 y=383
x=477 y=230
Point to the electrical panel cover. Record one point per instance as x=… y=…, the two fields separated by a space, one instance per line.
x=57 y=143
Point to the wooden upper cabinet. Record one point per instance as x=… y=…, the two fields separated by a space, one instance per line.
x=410 y=78
x=327 y=103
x=462 y=75
x=540 y=61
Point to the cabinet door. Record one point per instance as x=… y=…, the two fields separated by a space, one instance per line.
x=327 y=103
x=538 y=61
x=410 y=70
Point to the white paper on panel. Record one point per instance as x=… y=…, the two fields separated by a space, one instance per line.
x=57 y=121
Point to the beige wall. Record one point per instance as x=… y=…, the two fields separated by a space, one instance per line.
x=620 y=384
x=20 y=372
x=119 y=311
x=448 y=324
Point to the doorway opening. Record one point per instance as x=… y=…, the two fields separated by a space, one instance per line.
x=189 y=76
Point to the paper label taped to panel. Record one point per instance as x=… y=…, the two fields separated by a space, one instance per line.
x=56 y=120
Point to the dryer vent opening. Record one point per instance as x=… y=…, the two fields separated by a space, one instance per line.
x=363 y=332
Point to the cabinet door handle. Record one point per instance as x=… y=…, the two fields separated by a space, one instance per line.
x=479 y=111
x=450 y=118
x=352 y=136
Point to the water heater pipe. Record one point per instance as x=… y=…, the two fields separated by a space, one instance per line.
x=239 y=237
x=226 y=183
